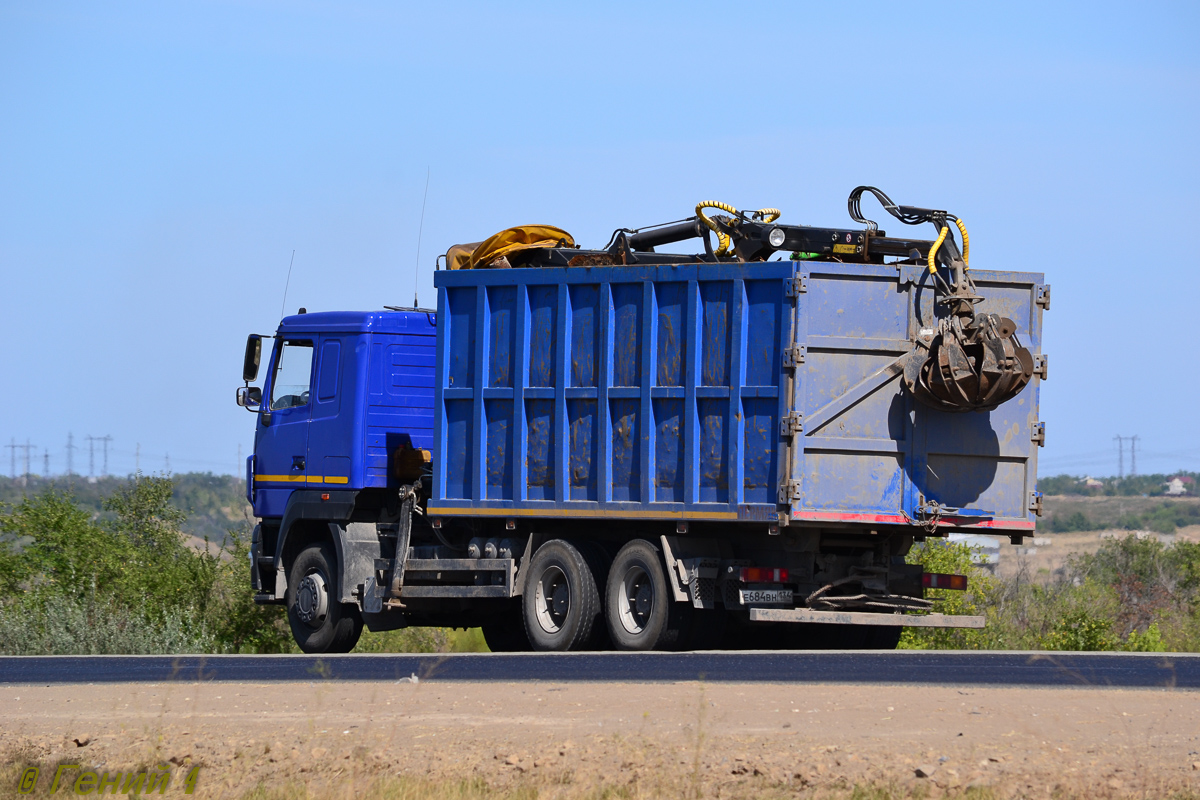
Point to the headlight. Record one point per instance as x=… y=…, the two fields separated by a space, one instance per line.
x=776 y=237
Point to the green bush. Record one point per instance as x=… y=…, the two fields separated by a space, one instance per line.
x=1075 y=522
x=72 y=581
x=1079 y=630
x=125 y=581
x=1132 y=594
x=89 y=626
x=945 y=557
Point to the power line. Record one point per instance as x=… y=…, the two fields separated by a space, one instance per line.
x=12 y=446
x=70 y=454
x=91 y=440
x=106 y=439
x=28 y=448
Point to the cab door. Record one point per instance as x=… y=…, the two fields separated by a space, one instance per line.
x=281 y=441
x=329 y=433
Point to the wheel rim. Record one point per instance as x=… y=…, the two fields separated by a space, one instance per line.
x=636 y=604
x=552 y=600
x=312 y=600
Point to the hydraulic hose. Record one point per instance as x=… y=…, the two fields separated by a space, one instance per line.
x=933 y=250
x=723 y=239
x=966 y=242
x=765 y=214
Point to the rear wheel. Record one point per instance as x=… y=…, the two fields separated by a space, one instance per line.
x=639 y=608
x=559 y=601
x=320 y=624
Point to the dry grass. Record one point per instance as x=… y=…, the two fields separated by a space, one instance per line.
x=333 y=782
x=685 y=742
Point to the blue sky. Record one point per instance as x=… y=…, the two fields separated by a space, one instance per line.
x=159 y=162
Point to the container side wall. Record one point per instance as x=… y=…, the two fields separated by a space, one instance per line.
x=668 y=392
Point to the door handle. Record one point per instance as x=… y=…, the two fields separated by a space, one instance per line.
x=297 y=463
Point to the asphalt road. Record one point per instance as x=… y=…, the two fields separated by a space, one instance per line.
x=1122 y=670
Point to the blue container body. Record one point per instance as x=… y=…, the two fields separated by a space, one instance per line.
x=371 y=396
x=664 y=393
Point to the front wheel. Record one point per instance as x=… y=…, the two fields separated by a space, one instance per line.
x=320 y=624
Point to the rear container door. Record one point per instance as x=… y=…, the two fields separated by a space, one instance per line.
x=870 y=453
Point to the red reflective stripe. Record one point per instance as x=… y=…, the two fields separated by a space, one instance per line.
x=822 y=516
x=900 y=519
x=1001 y=525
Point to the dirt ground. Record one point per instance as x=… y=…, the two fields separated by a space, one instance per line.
x=682 y=739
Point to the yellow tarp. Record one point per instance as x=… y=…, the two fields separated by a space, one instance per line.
x=510 y=240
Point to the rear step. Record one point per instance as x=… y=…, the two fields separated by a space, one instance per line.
x=865 y=618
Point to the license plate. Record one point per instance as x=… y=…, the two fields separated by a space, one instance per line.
x=765 y=596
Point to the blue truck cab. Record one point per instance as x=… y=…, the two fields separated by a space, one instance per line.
x=637 y=450
x=346 y=394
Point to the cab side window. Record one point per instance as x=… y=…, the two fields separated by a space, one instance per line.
x=293 y=375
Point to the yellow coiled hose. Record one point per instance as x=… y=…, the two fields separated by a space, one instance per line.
x=724 y=243
x=962 y=228
x=933 y=250
x=966 y=242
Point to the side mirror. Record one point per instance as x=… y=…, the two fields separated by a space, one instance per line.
x=253 y=357
x=249 y=397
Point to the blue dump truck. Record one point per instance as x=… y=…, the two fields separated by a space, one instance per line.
x=630 y=448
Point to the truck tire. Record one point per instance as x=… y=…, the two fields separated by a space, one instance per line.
x=639 y=608
x=559 y=601
x=320 y=624
x=598 y=559
x=505 y=632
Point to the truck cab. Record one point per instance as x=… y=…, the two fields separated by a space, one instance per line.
x=344 y=417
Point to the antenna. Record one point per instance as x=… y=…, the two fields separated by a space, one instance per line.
x=283 y=305
x=1133 y=440
x=420 y=230
x=45 y=463
x=70 y=454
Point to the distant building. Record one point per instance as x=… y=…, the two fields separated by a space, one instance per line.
x=986 y=549
x=1180 y=484
x=1092 y=483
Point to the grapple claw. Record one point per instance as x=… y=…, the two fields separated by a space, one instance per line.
x=972 y=366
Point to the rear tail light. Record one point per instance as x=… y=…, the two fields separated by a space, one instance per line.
x=935 y=580
x=762 y=575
